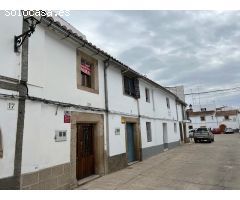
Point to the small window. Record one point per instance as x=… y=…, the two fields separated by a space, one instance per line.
x=190 y=127
x=226 y=117
x=149 y=131
x=175 y=127
x=202 y=118
x=147 y=95
x=168 y=103
x=203 y=109
x=87 y=73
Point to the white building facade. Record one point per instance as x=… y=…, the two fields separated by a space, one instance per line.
x=70 y=110
x=211 y=117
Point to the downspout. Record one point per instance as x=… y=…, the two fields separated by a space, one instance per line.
x=139 y=131
x=177 y=116
x=106 y=154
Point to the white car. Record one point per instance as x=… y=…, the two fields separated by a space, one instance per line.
x=191 y=133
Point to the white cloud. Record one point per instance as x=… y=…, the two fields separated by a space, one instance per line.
x=171 y=47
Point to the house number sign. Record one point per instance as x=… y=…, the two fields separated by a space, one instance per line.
x=11 y=106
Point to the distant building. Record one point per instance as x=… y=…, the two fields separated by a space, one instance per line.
x=212 y=117
x=181 y=112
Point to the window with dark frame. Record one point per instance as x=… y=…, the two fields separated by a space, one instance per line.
x=226 y=117
x=168 y=103
x=129 y=86
x=202 y=118
x=147 y=95
x=149 y=131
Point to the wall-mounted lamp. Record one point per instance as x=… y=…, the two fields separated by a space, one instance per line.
x=33 y=18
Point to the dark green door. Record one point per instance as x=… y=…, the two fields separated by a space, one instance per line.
x=130 y=143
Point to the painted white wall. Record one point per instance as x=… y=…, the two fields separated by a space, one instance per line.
x=119 y=102
x=231 y=123
x=117 y=143
x=52 y=71
x=161 y=110
x=147 y=108
x=172 y=135
x=40 y=150
x=10 y=61
x=210 y=121
x=180 y=112
x=8 y=125
x=215 y=122
x=157 y=133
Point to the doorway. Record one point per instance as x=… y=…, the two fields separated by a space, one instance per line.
x=85 y=151
x=181 y=131
x=222 y=128
x=131 y=153
x=165 y=136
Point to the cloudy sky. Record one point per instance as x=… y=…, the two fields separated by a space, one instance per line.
x=197 y=49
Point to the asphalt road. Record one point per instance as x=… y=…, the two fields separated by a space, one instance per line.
x=189 y=166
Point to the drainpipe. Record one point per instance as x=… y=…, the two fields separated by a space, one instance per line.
x=106 y=65
x=138 y=126
x=177 y=116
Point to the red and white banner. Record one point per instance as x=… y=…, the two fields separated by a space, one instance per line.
x=86 y=69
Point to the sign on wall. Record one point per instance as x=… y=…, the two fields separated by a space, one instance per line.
x=67 y=117
x=117 y=131
x=123 y=120
x=85 y=68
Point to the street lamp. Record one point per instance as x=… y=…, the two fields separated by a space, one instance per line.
x=32 y=17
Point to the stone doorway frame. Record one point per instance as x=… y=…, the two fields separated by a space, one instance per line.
x=137 y=136
x=98 y=121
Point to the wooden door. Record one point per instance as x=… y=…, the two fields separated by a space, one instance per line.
x=85 y=150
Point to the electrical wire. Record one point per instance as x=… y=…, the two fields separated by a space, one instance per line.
x=213 y=91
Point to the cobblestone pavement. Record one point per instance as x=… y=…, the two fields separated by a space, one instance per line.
x=190 y=166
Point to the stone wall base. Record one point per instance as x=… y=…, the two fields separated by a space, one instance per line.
x=52 y=178
x=154 y=150
x=151 y=151
x=9 y=183
x=173 y=144
x=117 y=162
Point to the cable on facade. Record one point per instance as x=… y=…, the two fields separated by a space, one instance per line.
x=46 y=101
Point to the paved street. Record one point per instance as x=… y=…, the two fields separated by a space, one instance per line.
x=189 y=166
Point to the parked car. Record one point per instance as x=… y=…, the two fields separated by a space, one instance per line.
x=228 y=131
x=191 y=133
x=216 y=131
x=202 y=134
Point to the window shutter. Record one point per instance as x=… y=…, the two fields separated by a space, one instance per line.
x=137 y=90
x=126 y=87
